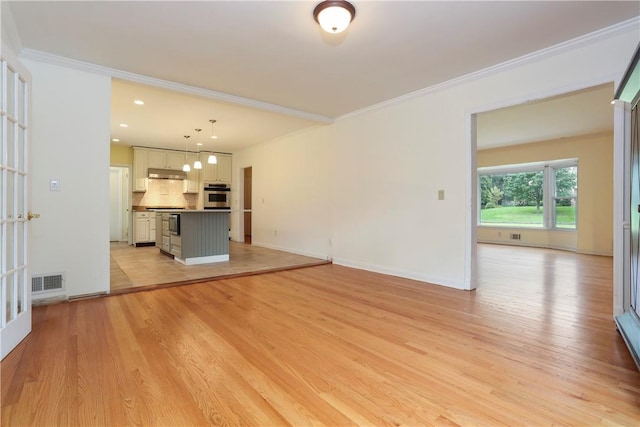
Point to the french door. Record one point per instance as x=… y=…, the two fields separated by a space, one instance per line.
x=15 y=292
x=634 y=291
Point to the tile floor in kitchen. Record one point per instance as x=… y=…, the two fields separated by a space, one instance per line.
x=134 y=268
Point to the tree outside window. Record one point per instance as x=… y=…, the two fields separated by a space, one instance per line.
x=516 y=195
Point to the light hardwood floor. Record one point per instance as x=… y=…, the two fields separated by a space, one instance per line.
x=535 y=344
x=133 y=269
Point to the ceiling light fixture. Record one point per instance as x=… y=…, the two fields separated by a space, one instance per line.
x=124 y=125
x=198 y=164
x=212 y=160
x=334 y=16
x=186 y=167
x=115 y=140
x=138 y=102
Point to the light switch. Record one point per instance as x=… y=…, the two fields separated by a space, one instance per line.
x=54 y=184
x=440 y=194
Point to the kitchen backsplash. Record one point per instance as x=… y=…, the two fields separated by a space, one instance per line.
x=164 y=192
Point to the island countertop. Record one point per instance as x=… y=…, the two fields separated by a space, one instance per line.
x=187 y=211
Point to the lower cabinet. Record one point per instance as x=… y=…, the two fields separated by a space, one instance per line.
x=144 y=228
x=176 y=246
x=163 y=236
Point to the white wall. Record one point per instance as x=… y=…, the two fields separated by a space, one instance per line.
x=70 y=142
x=291 y=188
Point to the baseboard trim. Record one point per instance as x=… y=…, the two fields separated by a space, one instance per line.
x=428 y=279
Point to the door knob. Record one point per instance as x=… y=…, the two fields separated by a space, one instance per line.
x=31 y=215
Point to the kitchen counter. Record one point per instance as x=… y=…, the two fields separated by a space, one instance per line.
x=186 y=211
x=203 y=235
x=157 y=208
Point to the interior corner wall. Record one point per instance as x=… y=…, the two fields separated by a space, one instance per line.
x=595 y=189
x=390 y=163
x=291 y=192
x=70 y=128
x=120 y=155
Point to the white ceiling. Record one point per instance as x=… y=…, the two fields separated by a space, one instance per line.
x=272 y=55
x=578 y=113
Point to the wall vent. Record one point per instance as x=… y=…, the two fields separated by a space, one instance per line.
x=47 y=283
x=515 y=236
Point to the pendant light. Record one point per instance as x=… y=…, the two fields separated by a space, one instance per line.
x=186 y=167
x=212 y=160
x=198 y=164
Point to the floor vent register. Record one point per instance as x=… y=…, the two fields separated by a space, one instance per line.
x=46 y=283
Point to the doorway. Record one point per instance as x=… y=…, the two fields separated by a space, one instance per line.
x=119 y=204
x=528 y=135
x=247 y=204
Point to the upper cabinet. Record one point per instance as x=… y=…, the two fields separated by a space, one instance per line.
x=140 y=166
x=164 y=159
x=220 y=172
x=191 y=184
x=145 y=158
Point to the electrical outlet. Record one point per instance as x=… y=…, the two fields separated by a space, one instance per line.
x=54 y=184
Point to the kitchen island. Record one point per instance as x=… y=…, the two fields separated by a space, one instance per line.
x=193 y=236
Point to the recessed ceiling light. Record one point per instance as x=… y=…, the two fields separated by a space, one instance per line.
x=199 y=144
x=115 y=140
x=138 y=102
x=124 y=125
x=214 y=137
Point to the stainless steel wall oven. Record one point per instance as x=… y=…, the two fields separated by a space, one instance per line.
x=217 y=196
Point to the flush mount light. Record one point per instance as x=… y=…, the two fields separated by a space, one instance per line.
x=124 y=125
x=115 y=140
x=138 y=102
x=334 y=16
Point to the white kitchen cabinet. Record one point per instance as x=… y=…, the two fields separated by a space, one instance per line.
x=140 y=166
x=220 y=172
x=163 y=236
x=175 y=160
x=144 y=227
x=166 y=159
x=191 y=184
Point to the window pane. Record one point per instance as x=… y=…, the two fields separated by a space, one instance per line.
x=11 y=153
x=22 y=160
x=565 y=212
x=22 y=96
x=11 y=90
x=9 y=297
x=513 y=199
x=566 y=190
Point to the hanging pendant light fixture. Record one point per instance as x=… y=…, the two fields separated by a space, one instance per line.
x=198 y=164
x=212 y=160
x=334 y=16
x=186 y=167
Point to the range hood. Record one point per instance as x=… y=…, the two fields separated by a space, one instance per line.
x=166 y=174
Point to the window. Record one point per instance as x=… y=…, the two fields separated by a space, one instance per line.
x=533 y=195
x=565 y=186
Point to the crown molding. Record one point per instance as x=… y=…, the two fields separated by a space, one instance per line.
x=48 y=58
x=9 y=28
x=613 y=30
